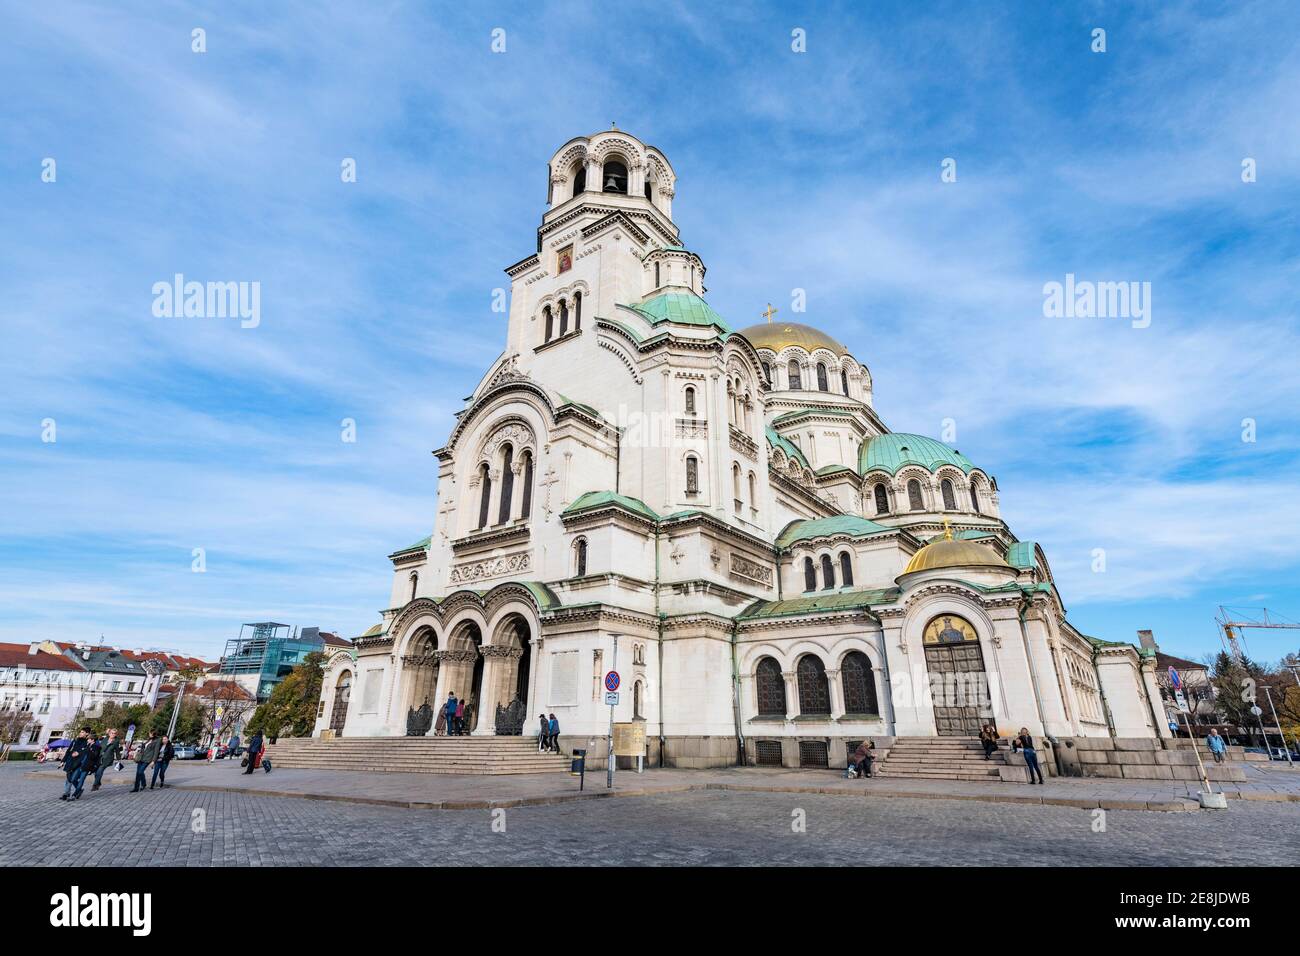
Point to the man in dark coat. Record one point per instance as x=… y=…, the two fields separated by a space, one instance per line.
x=254 y=748
x=74 y=761
x=146 y=755
x=450 y=710
x=109 y=752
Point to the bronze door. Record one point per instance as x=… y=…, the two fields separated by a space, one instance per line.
x=959 y=688
x=339 y=715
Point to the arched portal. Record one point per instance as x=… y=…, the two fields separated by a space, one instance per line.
x=420 y=682
x=464 y=663
x=342 y=694
x=511 y=653
x=958 y=683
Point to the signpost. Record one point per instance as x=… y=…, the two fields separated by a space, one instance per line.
x=629 y=741
x=612 y=680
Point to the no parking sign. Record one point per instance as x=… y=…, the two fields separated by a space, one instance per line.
x=612 y=681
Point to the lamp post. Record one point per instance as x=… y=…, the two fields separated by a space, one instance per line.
x=1285 y=749
x=1292 y=663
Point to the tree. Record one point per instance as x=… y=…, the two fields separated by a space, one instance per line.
x=190 y=722
x=291 y=709
x=233 y=701
x=113 y=715
x=14 y=723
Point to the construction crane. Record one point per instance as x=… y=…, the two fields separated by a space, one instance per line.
x=1232 y=620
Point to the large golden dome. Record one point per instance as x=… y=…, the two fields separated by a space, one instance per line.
x=950 y=553
x=779 y=335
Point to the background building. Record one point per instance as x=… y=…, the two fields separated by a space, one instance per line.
x=265 y=653
x=48 y=686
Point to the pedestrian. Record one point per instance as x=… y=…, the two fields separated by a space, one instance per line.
x=89 y=765
x=1026 y=744
x=146 y=755
x=989 y=739
x=74 y=761
x=543 y=733
x=440 y=725
x=166 y=753
x=254 y=748
x=109 y=752
x=1217 y=748
x=864 y=757
x=554 y=727
x=450 y=710
x=460 y=717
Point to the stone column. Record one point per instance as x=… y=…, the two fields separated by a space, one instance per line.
x=836 y=690
x=791 y=695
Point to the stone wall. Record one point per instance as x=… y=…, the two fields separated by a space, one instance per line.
x=1143 y=758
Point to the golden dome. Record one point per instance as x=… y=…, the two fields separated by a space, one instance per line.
x=779 y=335
x=949 y=553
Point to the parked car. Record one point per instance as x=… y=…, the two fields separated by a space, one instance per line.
x=188 y=752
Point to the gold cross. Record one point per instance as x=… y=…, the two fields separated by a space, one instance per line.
x=947 y=530
x=770 y=312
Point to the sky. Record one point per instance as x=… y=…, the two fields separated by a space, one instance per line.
x=1172 y=447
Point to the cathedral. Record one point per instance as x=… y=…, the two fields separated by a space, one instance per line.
x=719 y=515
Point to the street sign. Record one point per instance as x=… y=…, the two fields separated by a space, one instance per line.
x=1182 y=700
x=1175 y=679
x=611 y=698
x=612 y=680
x=629 y=739
x=130 y=732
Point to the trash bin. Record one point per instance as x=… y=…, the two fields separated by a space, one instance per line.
x=579 y=764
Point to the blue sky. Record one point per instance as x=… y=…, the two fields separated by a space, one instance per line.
x=816 y=170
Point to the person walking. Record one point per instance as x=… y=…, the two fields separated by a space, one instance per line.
x=1218 y=749
x=146 y=755
x=254 y=748
x=74 y=760
x=89 y=765
x=554 y=727
x=1026 y=743
x=989 y=740
x=864 y=757
x=460 y=717
x=543 y=733
x=166 y=753
x=450 y=710
x=440 y=725
x=110 y=750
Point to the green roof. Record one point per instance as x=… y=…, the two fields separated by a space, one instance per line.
x=421 y=545
x=1021 y=555
x=790 y=448
x=596 y=499
x=830 y=601
x=546 y=598
x=683 y=308
x=894 y=450
x=807 y=528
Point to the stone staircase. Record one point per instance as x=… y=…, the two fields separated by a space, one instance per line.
x=461 y=755
x=941 y=758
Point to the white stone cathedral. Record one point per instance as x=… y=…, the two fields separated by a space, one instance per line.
x=719 y=515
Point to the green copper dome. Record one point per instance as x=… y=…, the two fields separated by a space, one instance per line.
x=683 y=308
x=891 y=452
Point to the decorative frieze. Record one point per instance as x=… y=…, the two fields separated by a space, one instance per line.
x=692 y=428
x=491 y=568
x=744 y=445
x=743 y=567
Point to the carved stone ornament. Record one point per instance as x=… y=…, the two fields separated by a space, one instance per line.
x=491 y=568
x=743 y=567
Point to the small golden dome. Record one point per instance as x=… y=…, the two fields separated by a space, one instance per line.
x=949 y=553
x=779 y=335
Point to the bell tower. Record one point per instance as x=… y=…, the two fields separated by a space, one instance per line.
x=602 y=241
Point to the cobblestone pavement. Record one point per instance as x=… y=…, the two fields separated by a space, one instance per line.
x=717 y=828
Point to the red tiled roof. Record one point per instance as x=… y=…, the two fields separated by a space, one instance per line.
x=334 y=640
x=223 y=690
x=15 y=655
x=1165 y=661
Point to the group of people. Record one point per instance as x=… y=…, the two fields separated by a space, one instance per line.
x=453 y=717
x=548 y=734
x=89 y=754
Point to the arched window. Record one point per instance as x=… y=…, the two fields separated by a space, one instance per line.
x=636 y=688
x=735 y=486
x=949 y=499
x=690 y=399
x=580 y=179
x=657 y=282
x=507 y=483
x=859 y=684
x=731 y=404
x=485 y=496
x=914 y=496
x=614 y=177
x=753 y=491
x=767 y=374
x=809 y=575
x=546 y=314
x=580 y=557
x=415 y=584
x=564 y=316
x=882 y=499
x=844 y=381
x=647 y=191
x=814 y=691
x=846 y=570
x=577 y=311
x=527 y=506
x=796 y=382
x=974 y=498
x=692 y=475
x=828 y=573
x=770 y=685
x=822 y=384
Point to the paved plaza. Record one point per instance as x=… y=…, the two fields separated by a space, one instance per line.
x=218 y=823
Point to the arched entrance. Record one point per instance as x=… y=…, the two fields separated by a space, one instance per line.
x=959 y=686
x=420 y=682
x=342 y=694
x=464 y=661
x=511 y=651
